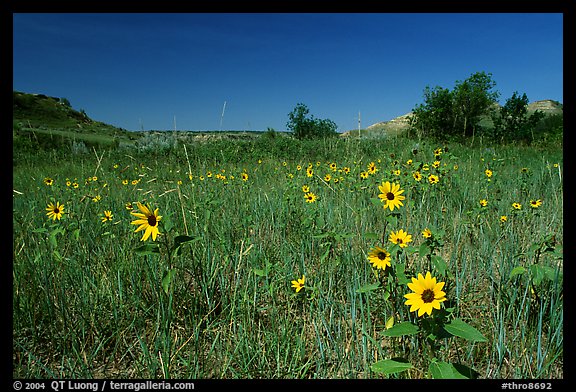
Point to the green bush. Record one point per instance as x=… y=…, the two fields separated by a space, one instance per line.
x=304 y=127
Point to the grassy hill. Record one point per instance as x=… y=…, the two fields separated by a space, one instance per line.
x=42 y=121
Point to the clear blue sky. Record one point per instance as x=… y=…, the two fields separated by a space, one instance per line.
x=145 y=69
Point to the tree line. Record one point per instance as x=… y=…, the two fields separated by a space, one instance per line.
x=469 y=110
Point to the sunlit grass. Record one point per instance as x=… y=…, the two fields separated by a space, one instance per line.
x=213 y=296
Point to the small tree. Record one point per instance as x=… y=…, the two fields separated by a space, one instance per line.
x=435 y=117
x=304 y=127
x=513 y=122
x=473 y=99
x=446 y=113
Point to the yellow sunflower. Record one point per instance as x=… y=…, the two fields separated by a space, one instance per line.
x=299 y=284
x=55 y=211
x=379 y=258
x=391 y=195
x=401 y=238
x=427 y=294
x=147 y=221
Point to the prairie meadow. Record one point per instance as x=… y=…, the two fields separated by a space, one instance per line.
x=279 y=258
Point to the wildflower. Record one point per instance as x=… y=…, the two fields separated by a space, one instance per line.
x=107 y=216
x=517 y=206
x=427 y=294
x=437 y=153
x=488 y=173
x=299 y=284
x=535 y=203
x=503 y=219
x=372 y=169
x=401 y=238
x=327 y=177
x=305 y=188
x=309 y=171
x=417 y=176
x=379 y=258
x=433 y=179
x=426 y=233
x=244 y=176
x=48 y=181
x=436 y=164
x=483 y=202
x=310 y=197
x=391 y=195
x=333 y=166
x=364 y=175
x=147 y=221
x=346 y=170
x=55 y=211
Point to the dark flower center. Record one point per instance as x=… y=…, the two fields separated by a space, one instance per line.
x=428 y=296
x=390 y=196
x=56 y=210
x=152 y=220
x=382 y=255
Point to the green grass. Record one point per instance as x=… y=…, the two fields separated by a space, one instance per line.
x=87 y=304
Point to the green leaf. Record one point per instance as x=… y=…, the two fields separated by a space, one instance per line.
x=147 y=249
x=76 y=234
x=444 y=370
x=376 y=201
x=424 y=249
x=459 y=328
x=390 y=322
x=401 y=329
x=392 y=220
x=389 y=366
x=167 y=279
x=181 y=240
x=167 y=223
x=326 y=253
x=440 y=264
x=411 y=250
x=371 y=236
x=368 y=287
x=517 y=271
x=52 y=238
x=259 y=272
x=537 y=274
x=465 y=371
x=400 y=275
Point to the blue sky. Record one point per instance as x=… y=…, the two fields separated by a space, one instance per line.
x=145 y=70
